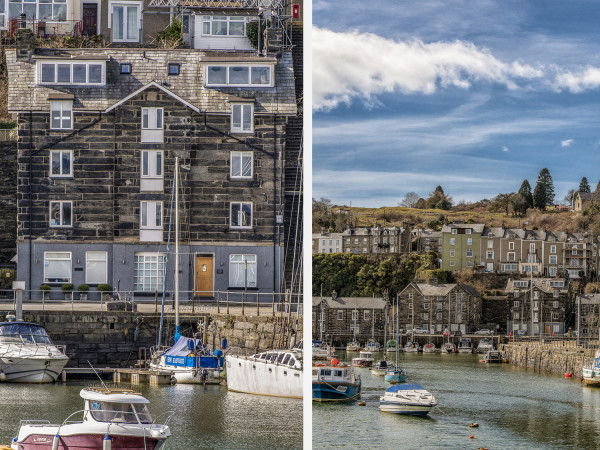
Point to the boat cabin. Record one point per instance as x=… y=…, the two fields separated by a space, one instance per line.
x=23 y=333
x=115 y=406
x=331 y=373
x=284 y=358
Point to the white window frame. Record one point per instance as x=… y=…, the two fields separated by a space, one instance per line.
x=242 y=227
x=553 y=259
x=243 y=156
x=151 y=131
x=209 y=20
x=148 y=273
x=250 y=261
x=452 y=253
x=340 y=314
x=245 y=109
x=227 y=68
x=39 y=67
x=60 y=163
x=469 y=253
x=152 y=176
x=452 y=241
x=490 y=254
x=454 y=231
x=553 y=249
x=125 y=4
x=93 y=257
x=64 y=107
x=354 y=314
x=552 y=271
x=510 y=256
x=511 y=245
x=469 y=241
x=151 y=213
x=452 y=263
x=66 y=256
x=61 y=203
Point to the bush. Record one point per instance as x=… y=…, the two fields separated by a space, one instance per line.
x=67 y=288
x=83 y=288
x=252 y=32
x=172 y=36
x=8 y=125
x=45 y=288
x=104 y=288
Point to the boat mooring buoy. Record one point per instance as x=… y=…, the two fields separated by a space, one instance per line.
x=362 y=403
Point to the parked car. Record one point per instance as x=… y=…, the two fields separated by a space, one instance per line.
x=417 y=330
x=484 y=331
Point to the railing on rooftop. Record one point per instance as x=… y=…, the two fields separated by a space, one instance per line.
x=47 y=28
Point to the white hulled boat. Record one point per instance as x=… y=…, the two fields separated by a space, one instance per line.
x=448 y=347
x=407 y=399
x=591 y=373
x=321 y=351
x=112 y=418
x=352 y=346
x=465 y=346
x=485 y=345
x=382 y=367
x=276 y=373
x=27 y=355
x=365 y=359
x=429 y=348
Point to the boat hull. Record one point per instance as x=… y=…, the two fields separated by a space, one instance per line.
x=405 y=408
x=395 y=378
x=378 y=372
x=465 y=350
x=362 y=363
x=258 y=377
x=32 y=369
x=323 y=391
x=591 y=377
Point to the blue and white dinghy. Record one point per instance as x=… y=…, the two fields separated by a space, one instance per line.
x=410 y=399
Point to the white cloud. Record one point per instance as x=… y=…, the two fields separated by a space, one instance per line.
x=578 y=81
x=352 y=64
x=505 y=149
x=566 y=143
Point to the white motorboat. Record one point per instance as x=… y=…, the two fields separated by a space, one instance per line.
x=485 y=345
x=407 y=399
x=112 y=418
x=448 y=347
x=591 y=373
x=411 y=347
x=365 y=359
x=352 y=346
x=321 y=351
x=372 y=346
x=465 y=346
x=429 y=348
x=27 y=355
x=382 y=367
x=189 y=362
x=276 y=373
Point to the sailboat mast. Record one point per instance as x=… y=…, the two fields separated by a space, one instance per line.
x=176 y=181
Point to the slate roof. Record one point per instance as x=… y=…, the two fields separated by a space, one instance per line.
x=542 y=284
x=354 y=302
x=476 y=227
x=150 y=65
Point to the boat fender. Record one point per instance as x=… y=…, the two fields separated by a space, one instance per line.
x=471 y=437
x=55 y=442
x=362 y=403
x=334 y=362
x=2 y=376
x=106 y=443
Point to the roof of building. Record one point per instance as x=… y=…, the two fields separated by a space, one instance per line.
x=476 y=227
x=353 y=302
x=589 y=299
x=147 y=66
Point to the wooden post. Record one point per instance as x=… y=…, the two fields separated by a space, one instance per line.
x=257 y=302
x=243 y=301
x=273 y=314
x=155 y=301
x=218 y=299
x=227 y=302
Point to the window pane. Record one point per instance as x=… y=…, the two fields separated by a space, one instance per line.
x=14 y=9
x=247 y=126
x=144 y=214
x=64 y=73
x=145 y=118
x=246 y=214
x=236 y=165
x=95 y=73
x=66 y=213
x=238 y=75
x=57 y=270
x=54 y=214
x=206 y=27
x=219 y=28
x=247 y=165
x=217 y=75
x=261 y=75
x=55 y=163
x=66 y=163
x=60 y=12
x=159 y=118
x=236 y=28
x=158 y=214
x=78 y=72
x=29 y=10
x=132 y=26
x=45 y=12
x=235 y=214
x=48 y=73
x=145 y=163
x=118 y=22
x=237 y=117
x=159 y=164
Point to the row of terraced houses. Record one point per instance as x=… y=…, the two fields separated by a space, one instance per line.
x=101 y=130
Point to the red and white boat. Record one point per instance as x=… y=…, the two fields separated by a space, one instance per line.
x=112 y=419
x=364 y=360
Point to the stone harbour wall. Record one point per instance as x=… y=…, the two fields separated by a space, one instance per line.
x=110 y=339
x=557 y=357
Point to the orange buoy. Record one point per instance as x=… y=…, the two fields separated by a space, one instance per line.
x=471 y=437
x=334 y=362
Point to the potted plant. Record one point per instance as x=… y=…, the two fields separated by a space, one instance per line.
x=104 y=289
x=45 y=291
x=83 y=291
x=67 y=289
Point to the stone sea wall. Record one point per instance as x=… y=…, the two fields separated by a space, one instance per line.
x=110 y=339
x=557 y=357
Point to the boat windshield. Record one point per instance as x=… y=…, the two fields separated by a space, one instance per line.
x=119 y=412
x=23 y=333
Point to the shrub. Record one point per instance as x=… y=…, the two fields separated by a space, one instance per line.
x=8 y=125
x=45 y=288
x=172 y=36
x=83 y=288
x=67 y=288
x=104 y=288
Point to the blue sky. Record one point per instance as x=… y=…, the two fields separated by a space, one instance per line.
x=475 y=96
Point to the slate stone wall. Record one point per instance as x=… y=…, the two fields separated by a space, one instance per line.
x=8 y=201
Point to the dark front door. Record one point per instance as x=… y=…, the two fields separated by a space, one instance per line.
x=90 y=19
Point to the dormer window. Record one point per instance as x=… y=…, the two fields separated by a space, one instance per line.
x=238 y=75
x=125 y=69
x=61 y=115
x=174 y=68
x=223 y=26
x=242 y=118
x=71 y=73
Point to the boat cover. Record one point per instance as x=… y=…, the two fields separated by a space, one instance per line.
x=181 y=347
x=405 y=387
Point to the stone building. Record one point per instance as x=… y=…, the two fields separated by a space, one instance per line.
x=376 y=240
x=461 y=246
x=538 y=306
x=327 y=242
x=587 y=316
x=340 y=320
x=427 y=240
x=99 y=132
x=436 y=307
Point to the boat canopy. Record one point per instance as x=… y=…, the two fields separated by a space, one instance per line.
x=405 y=387
x=112 y=395
x=25 y=331
x=183 y=346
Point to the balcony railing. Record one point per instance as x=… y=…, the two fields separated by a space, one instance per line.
x=47 y=28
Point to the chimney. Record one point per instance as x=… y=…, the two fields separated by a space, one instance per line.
x=273 y=41
x=333 y=295
x=24 y=43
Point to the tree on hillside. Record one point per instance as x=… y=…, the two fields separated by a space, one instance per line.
x=540 y=197
x=526 y=195
x=502 y=202
x=410 y=200
x=439 y=200
x=570 y=197
x=545 y=179
x=584 y=186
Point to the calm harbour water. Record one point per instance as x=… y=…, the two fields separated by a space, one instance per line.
x=515 y=408
x=207 y=417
